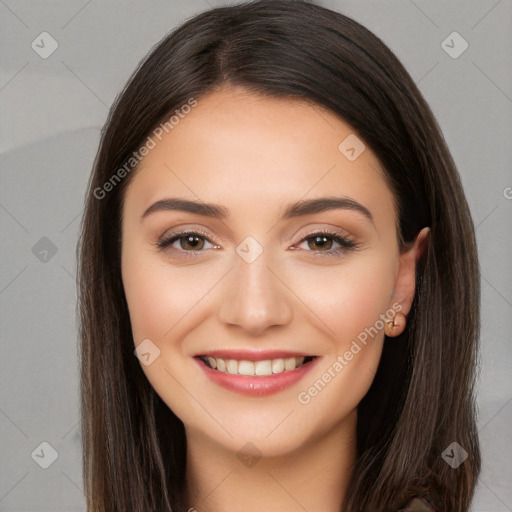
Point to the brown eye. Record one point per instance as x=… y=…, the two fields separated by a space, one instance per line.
x=191 y=242
x=321 y=242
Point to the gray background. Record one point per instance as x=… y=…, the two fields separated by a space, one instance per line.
x=51 y=112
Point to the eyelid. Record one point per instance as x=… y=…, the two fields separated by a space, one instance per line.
x=169 y=234
x=331 y=231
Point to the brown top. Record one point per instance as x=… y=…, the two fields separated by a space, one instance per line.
x=417 y=505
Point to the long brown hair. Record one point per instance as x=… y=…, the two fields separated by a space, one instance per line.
x=422 y=398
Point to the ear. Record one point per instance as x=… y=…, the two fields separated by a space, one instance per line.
x=405 y=282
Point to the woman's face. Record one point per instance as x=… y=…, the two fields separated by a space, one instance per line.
x=259 y=288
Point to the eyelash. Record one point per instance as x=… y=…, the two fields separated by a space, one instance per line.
x=346 y=243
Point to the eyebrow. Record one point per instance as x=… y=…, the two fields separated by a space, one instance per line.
x=304 y=207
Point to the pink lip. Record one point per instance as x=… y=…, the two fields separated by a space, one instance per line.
x=253 y=355
x=256 y=386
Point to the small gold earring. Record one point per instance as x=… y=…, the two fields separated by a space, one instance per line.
x=396 y=325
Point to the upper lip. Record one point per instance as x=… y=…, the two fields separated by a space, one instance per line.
x=253 y=355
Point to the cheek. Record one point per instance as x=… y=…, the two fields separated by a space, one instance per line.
x=159 y=296
x=162 y=302
x=348 y=298
x=358 y=295
x=145 y=301
x=365 y=298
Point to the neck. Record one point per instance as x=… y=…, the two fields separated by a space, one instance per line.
x=313 y=477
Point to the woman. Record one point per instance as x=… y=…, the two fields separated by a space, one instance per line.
x=227 y=346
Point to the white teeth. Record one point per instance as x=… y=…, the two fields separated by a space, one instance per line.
x=278 y=366
x=263 y=367
x=232 y=366
x=289 y=363
x=246 y=368
x=251 y=368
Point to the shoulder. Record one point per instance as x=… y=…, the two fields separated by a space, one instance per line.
x=417 y=505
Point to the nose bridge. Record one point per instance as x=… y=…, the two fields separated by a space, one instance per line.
x=255 y=297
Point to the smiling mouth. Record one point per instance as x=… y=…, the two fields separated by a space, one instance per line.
x=263 y=368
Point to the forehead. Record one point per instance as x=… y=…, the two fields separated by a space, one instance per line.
x=240 y=148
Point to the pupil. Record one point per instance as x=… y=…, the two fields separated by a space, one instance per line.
x=322 y=239
x=192 y=240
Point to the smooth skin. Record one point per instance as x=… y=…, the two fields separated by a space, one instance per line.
x=254 y=155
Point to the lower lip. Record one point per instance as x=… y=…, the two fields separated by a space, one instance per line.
x=256 y=386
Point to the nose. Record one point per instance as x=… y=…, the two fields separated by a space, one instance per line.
x=256 y=297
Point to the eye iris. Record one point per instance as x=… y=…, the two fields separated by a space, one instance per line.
x=192 y=240
x=322 y=239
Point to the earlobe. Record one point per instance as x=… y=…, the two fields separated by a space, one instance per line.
x=405 y=282
x=396 y=325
